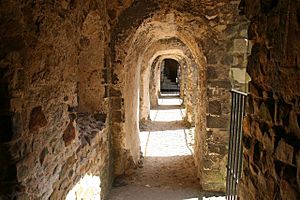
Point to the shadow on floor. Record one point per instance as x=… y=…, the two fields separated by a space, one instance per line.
x=163 y=126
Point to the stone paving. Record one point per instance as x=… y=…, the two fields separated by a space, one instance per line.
x=168 y=171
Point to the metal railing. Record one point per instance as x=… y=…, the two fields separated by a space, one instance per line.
x=235 y=149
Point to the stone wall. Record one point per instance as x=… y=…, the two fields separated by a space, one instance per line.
x=51 y=62
x=271 y=165
x=225 y=27
x=154 y=86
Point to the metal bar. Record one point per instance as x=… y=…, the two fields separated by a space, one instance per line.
x=235 y=149
x=236 y=130
x=238 y=92
x=229 y=148
x=240 y=158
x=232 y=147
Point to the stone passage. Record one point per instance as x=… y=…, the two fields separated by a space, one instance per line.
x=77 y=77
x=168 y=170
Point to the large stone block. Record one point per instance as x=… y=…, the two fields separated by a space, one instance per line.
x=217 y=122
x=239 y=75
x=240 y=46
x=287 y=191
x=117 y=103
x=265 y=112
x=215 y=107
x=69 y=134
x=211 y=73
x=117 y=116
x=37 y=119
x=284 y=152
x=225 y=84
x=294 y=123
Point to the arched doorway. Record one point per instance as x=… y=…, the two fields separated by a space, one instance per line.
x=170 y=76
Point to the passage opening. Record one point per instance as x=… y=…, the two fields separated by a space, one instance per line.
x=170 y=76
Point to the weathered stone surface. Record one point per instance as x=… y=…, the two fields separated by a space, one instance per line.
x=284 y=152
x=215 y=108
x=69 y=134
x=294 y=124
x=264 y=112
x=37 y=119
x=43 y=155
x=240 y=46
x=51 y=64
x=287 y=191
x=217 y=122
x=272 y=101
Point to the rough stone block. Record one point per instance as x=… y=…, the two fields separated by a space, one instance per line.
x=84 y=42
x=238 y=60
x=239 y=75
x=265 y=112
x=22 y=172
x=215 y=107
x=240 y=46
x=117 y=116
x=43 y=155
x=217 y=122
x=211 y=73
x=211 y=59
x=114 y=93
x=69 y=134
x=294 y=122
x=37 y=119
x=220 y=84
x=116 y=103
x=284 y=152
x=227 y=60
x=287 y=191
x=247 y=125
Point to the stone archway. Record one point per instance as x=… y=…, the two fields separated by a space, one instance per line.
x=170 y=75
x=132 y=62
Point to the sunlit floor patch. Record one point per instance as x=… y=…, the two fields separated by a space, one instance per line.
x=169 y=101
x=166 y=115
x=169 y=109
x=88 y=188
x=166 y=143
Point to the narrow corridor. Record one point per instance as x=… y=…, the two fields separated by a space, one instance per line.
x=168 y=171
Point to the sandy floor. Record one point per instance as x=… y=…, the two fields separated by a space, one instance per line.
x=168 y=172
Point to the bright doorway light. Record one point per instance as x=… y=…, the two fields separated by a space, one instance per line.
x=88 y=188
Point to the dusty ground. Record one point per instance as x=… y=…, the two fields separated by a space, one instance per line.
x=168 y=171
